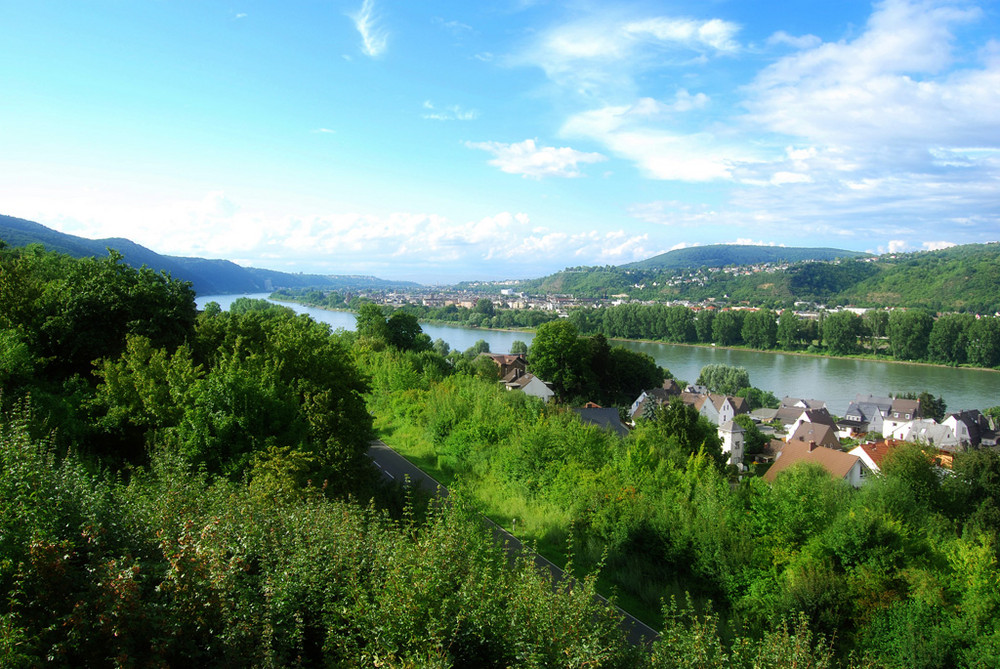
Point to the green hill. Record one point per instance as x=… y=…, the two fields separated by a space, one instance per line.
x=725 y=255
x=961 y=278
x=207 y=276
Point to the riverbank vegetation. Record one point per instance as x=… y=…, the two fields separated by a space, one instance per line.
x=913 y=335
x=191 y=488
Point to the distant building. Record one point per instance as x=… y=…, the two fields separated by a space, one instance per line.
x=840 y=465
x=733 y=442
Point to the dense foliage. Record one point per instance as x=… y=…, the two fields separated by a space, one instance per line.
x=901 y=573
x=187 y=497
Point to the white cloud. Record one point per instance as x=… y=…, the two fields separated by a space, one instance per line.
x=892 y=85
x=937 y=246
x=450 y=113
x=799 y=42
x=605 y=50
x=374 y=37
x=714 y=33
x=659 y=153
x=530 y=160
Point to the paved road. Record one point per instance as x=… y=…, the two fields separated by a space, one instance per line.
x=397 y=468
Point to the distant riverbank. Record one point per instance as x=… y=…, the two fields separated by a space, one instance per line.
x=833 y=379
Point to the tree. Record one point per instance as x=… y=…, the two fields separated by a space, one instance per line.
x=704 y=325
x=441 y=347
x=788 y=333
x=984 y=342
x=758 y=398
x=404 y=332
x=760 y=330
x=909 y=333
x=558 y=356
x=725 y=379
x=753 y=439
x=518 y=347
x=484 y=306
x=726 y=330
x=371 y=323
x=876 y=322
x=840 y=331
x=949 y=338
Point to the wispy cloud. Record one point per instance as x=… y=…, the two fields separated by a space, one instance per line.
x=530 y=160
x=374 y=37
x=324 y=131
x=450 y=113
x=606 y=50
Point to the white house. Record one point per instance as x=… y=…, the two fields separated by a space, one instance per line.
x=733 y=443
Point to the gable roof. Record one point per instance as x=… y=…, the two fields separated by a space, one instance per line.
x=788 y=415
x=819 y=416
x=818 y=433
x=802 y=403
x=837 y=463
x=603 y=417
x=878 y=450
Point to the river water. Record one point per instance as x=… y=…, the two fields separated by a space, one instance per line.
x=836 y=381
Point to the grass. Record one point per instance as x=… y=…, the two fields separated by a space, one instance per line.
x=633 y=584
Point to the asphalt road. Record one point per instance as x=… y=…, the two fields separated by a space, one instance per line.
x=397 y=468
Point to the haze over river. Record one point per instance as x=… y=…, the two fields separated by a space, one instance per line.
x=836 y=381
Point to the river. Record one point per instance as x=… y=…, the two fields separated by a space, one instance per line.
x=834 y=380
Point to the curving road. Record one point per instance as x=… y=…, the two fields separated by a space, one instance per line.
x=397 y=468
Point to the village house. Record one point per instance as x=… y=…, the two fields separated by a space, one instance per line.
x=508 y=362
x=866 y=414
x=873 y=454
x=840 y=465
x=733 y=442
x=529 y=384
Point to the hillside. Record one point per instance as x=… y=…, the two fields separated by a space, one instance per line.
x=725 y=255
x=961 y=278
x=207 y=276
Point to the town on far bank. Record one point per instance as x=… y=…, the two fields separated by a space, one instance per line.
x=767 y=440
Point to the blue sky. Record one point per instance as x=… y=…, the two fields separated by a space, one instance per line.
x=438 y=141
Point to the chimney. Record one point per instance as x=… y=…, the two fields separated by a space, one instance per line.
x=812 y=446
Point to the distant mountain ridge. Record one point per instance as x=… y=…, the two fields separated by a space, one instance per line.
x=724 y=255
x=207 y=276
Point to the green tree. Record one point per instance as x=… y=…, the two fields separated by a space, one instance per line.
x=725 y=379
x=704 y=325
x=984 y=342
x=753 y=439
x=948 y=340
x=760 y=329
x=788 y=332
x=371 y=323
x=518 y=347
x=404 y=332
x=909 y=333
x=727 y=327
x=840 y=331
x=558 y=356
x=484 y=306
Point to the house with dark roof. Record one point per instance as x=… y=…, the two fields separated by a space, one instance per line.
x=841 y=466
x=866 y=414
x=800 y=403
x=529 y=384
x=820 y=433
x=606 y=418
x=971 y=428
x=508 y=362
x=657 y=396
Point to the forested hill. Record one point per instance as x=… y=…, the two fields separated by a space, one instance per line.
x=724 y=255
x=207 y=276
x=961 y=278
